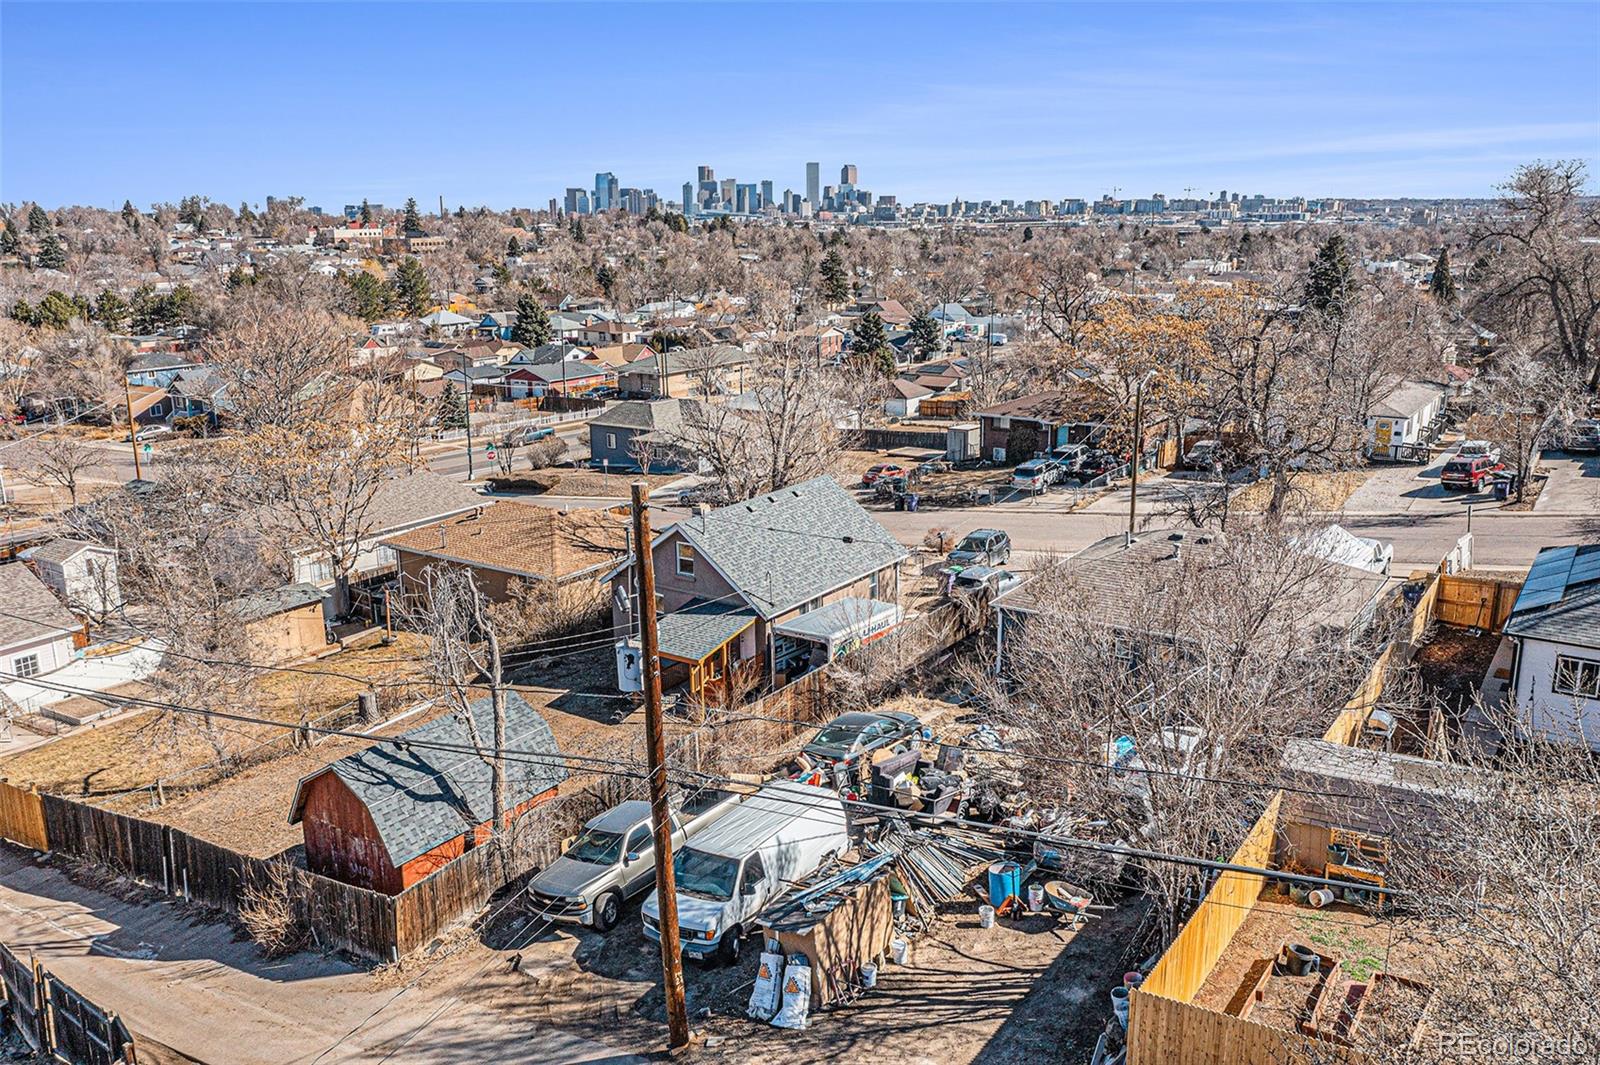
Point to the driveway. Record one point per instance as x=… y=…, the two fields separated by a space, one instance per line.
x=1573 y=487
x=1413 y=490
x=197 y=988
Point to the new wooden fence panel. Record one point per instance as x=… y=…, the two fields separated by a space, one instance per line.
x=22 y=817
x=1163 y=1031
x=1478 y=602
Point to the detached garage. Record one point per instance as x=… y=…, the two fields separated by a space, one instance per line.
x=387 y=817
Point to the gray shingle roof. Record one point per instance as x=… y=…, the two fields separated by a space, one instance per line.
x=32 y=612
x=1560 y=600
x=794 y=544
x=265 y=604
x=646 y=414
x=60 y=550
x=699 y=629
x=422 y=797
x=419 y=497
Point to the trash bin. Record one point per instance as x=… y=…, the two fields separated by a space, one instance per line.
x=1502 y=488
x=911 y=501
x=899 y=502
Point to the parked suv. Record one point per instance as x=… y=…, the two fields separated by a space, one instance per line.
x=1469 y=472
x=1584 y=435
x=981 y=547
x=1035 y=475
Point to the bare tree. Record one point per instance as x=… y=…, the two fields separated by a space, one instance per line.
x=60 y=461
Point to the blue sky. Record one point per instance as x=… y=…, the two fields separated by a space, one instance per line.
x=508 y=104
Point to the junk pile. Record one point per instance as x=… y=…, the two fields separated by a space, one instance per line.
x=929 y=868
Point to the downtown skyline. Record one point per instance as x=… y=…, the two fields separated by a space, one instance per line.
x=1308 y=100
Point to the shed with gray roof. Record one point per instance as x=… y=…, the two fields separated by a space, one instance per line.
x=391 y=815
x=1554 y=629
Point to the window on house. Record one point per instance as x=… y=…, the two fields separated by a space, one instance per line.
x=25 y=665
x=876 y=586
x=685 y=561
x=1577 y=676
x=611 y=441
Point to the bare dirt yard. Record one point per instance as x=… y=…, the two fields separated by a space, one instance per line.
x=1024 y=991
x=1315 y=491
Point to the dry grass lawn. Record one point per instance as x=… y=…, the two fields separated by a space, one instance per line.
x=1320 y=491
x=595 y=482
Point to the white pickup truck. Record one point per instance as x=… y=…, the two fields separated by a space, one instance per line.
x=614 y=859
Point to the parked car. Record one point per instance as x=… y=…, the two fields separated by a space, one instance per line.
x=613 y=859
x=983 y=580
x=1035 y=475
x=1097 y=463
x=981 y=547
x=848 y=736
x=932 y=466
x=880 y=471
x=749 y=859
x=999 y=340
x=1469 y=472
x=527 y=434
x=710 y=494
x=1471 y=449
x=1203 y=455
x=1583 y=435
x=1069 y=457
x=151 y=432
x=604 y=392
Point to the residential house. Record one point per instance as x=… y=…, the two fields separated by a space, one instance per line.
x=486 y=380
x=1018 y=429
x=905 y=398
x=601 y=332
x=37 y=636
x=83 y=575
x=511 y=542
x=158 y=368
x=150 y=404
x=562 y=378
x=622 y=433
x=685 y=372
x=447 y=323
x=1404 y=417
x=1116 y=574
x=1554 y=629
x=618 y=355
x=767 y=589
x=400 y=504
x=389 y=816
x=558 y=352
x=200 y=393
x=284 y=624
x=497 y=324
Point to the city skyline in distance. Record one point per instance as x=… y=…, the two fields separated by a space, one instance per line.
x=1305 y=100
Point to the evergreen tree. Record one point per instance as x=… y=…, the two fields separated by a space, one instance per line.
x=111 y=310
x=653 y=214
x=513 y=247
x=411 y=288
x=502 y=274
x=57 y=310
x=1027 y=234
x=533 y=324
x=9 y=244
x=835 y=282
x=52 y=254
x=1443 y=285
x=22 y=311
x=676 y=222
x=577 y=231
x=191 y=211
x=130 y=215
x=366 y=212
x=413 y=221
x=461 y=212
x=927 y=338
x=871 y=344
x=518 y=222
x=452 y=409
x=371 y=299
x=38 y=221
x=606 y=278
x=1331 y=280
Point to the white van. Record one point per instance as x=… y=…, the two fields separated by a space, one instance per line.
x=749 y=858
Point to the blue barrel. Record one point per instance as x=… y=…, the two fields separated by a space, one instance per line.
x=1005 y=882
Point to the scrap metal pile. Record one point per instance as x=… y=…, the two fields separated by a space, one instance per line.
x=930 y=867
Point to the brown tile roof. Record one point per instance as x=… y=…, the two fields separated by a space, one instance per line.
x=521 y=538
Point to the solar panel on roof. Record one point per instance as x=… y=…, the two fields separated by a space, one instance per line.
x=1585 y=568
x=1548 y=578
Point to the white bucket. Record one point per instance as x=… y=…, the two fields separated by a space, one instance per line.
x=1119 y=1005
x=899 y=950
x=1320 y=898
x=869 y=976
x=986 y=916
x=1035 y=897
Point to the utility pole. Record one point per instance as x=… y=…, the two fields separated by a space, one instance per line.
x=133 y=432
x=466 y=403
x=1133 y=463
x=655 y=749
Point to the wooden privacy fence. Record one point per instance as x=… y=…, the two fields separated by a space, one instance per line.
x=22 y=817
x=56 y=1020
x=1472 y=601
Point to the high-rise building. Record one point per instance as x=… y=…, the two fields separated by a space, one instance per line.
x=577 y=201
x=814 y=183
x=605 y=192
x=555 y=208
x=728 y=190
x=688 y=198
x=705 y=174
x=847 y=174
x=766 y=194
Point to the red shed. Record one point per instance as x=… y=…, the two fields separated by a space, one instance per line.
x=386 y=817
